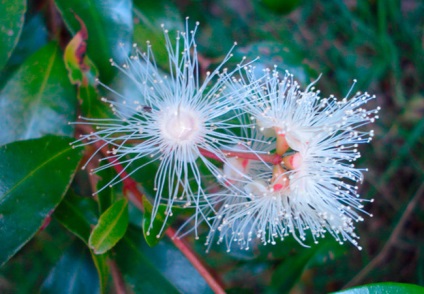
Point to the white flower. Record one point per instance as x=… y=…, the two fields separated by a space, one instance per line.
x=244 y=163
x=176 y=120
x=314 y=190
x=294 y=116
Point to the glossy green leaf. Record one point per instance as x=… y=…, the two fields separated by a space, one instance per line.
x=38 y=99
x=109 y=23
x=161 y=269
x=74 y=273
x=379 y=288
x=35 y=175
x=34 y=261
x=329 y=250
x=153 y=235
x=149 y=16
x=286 y=275
x=101 y=263
x=111 y=227
x=78 y=215
x=107 y=196
x=156 y=233
x=11 y=24
x=33 y=37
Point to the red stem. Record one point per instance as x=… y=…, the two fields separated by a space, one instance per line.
x=275 y=159
x=212 y=281
x=118 y=281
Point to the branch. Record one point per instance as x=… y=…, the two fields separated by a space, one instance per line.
x=392 y=239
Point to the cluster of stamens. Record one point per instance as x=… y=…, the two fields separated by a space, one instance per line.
x=290 y=173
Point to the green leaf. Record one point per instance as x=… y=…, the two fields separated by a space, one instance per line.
x=38 y=99
x=107 y=196
x=329 y=250
x=78 y=214
x=149 y=16
x=102 y=267
x=11 y=24
x=392 y=288
x=74 y=273
x=157 y=269
x=109 y=23
x=34 y=261
x=33 y=37
x=35 y=175
x=290 y=270
x=154 y=235
x=110 y=228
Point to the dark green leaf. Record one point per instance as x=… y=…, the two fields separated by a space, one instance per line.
x=34 y=36
x=107 y=196
x=35 y=175
x=11 y=23
x=290 y=270
x=379 y=288
x=102 y=267
x=110 y=228
x=329 y=250
x=74 y=273
x=149 y=16
x=38 y=99
x=109 y=23
x=153 y=235
x=34 y=261
x=78 y=214
x=157 y=269
x=156 y=233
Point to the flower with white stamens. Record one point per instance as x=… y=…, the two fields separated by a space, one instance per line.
x=282 y=109
x=237 y=172
x=311 y=193
x=177 y=118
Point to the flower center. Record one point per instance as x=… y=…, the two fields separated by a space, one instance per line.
x=181 y=125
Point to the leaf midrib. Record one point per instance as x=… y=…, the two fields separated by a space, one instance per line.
x=38 y=95
x=31 y=173
x=110 y=228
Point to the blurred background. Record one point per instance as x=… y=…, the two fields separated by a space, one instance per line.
x=378 y=42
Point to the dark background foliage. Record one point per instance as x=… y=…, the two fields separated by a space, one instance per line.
x=379 y=43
